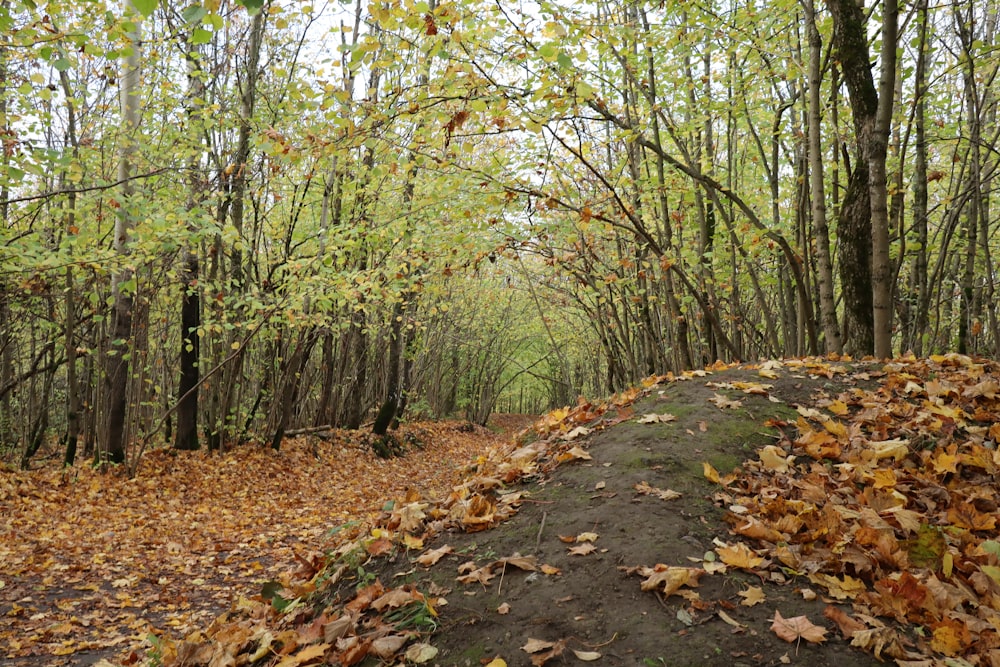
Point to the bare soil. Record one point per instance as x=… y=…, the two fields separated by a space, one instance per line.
x=594 y=605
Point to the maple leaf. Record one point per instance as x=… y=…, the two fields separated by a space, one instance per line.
x=840 y=588
x=573 y=454
x=306 y=655
x=537 y=646
x=663 y=494
x=724 y=403
x=657 y=419
x=739 y=555
x=753 y=595
x=669 y=579
x=797 y=628
x=434 y=555
x=774 y=458
x=848 y=626
x=527 y=563
x=582 y=549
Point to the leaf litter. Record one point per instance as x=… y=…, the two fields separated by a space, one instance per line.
x=881 y=496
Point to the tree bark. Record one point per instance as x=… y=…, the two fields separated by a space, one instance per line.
x=186 y=436
x=827 y=306
x=120 y=346
x=850 y=40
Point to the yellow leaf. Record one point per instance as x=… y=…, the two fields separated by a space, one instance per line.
x=497 y=662
x=711 y=474
x=951 y=637
x=669 y=579
x=838 y=588
x=774 y=458
x=897 y=449
x=838 y=408
x=419 y=653
x=752 y=596
x=739 y=555
x=308 y=654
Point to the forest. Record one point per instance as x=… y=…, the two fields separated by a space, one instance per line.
x=231 y=220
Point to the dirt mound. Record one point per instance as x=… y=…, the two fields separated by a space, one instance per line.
x=585 y=531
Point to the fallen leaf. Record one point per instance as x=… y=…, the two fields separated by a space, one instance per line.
x=657 y=419
x=386 y=647
x=724 y=403
x=663 y=494
x=308 y=654
x=797 y=627
x=582 y=549
x=586 y=537
x=739 y=555
x=421 y=653
x=845 y=622
x=729 y=620
x=434 y=555
x=668 y=579
x=496 y=662
x=752 y=596
x=537 y=646
x=503 y=609
x=587 y=656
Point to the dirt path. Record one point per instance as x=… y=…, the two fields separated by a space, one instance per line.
x=594 y=605
x=90 y=562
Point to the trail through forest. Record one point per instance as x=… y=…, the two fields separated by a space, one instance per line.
x=813 y=512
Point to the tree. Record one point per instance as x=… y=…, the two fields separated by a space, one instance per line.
x=120 y=349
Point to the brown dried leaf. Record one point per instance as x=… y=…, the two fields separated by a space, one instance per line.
x=796 y=628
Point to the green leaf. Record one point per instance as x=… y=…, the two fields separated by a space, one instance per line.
x=269 y=591
x=201 y=36
x=253 y=6
x=565 y=61
x=194 y=14
x=548 y=51
x=145 y=7
x=991 y=547
x=61 y=64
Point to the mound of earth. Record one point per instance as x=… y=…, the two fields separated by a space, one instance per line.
x=591 y=523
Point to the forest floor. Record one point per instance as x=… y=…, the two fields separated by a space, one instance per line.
x=858 y=523
x=91 y=562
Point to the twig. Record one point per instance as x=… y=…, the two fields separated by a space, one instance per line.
x=502 y=572
x=538 y=539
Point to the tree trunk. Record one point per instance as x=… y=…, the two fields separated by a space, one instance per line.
x=882 y=267
x=827 y=305
x=919 y=300
x=120 y=348
x=855 y=221
x=186 y=436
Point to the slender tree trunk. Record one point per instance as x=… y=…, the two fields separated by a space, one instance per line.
x=121 y=348
x=186 y=436
x=882 y=266
x=821 y=232
x=919 y=293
